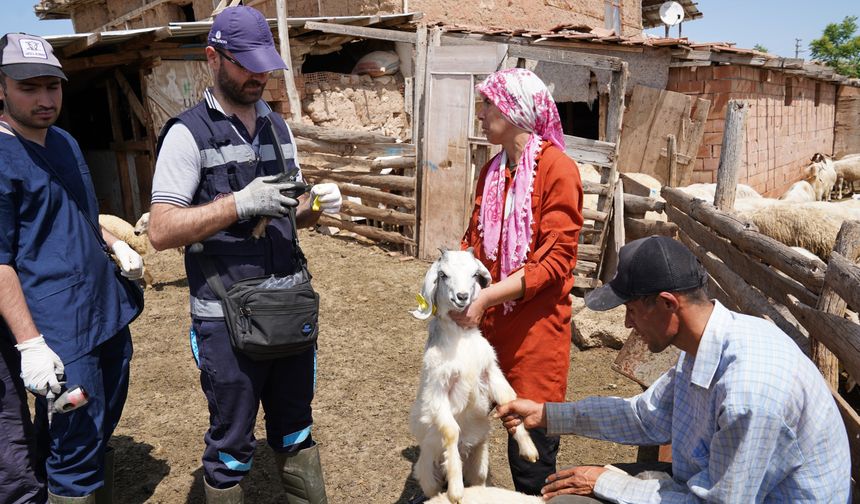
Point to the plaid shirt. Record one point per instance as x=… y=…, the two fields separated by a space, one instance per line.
x=749 y=417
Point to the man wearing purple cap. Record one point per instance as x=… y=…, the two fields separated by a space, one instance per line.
x=219 y=170
x=62 y=299
x=749 y=416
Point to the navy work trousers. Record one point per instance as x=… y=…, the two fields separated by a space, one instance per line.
x=235 y=386
x=22 y=474
x=529 y=477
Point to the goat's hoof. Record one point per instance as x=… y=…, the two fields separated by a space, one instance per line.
x=455 y=493
x=529 y=453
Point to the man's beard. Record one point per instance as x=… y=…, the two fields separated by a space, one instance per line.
x=242 y=93
x=28 y=120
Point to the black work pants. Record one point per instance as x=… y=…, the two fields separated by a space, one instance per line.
x=529 y=477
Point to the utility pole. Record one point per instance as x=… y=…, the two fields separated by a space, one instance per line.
x=797 y=49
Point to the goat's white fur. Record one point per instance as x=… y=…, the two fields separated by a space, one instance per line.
x=490 y=495
x=460 y=381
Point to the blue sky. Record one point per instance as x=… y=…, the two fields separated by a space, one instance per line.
x=773 y=23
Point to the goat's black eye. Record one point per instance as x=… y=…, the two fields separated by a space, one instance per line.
x=442 y=275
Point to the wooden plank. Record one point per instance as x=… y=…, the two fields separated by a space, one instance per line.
x=378 y=214
x=843 y=277
x=590 y=253
x=749 y=300
x=366 y=231
x=558 y=55
x=121 y=159
x=731 y=154
x=671 y=156
x=333 y=162
x=639 y=116
x=635 y=228
x=589 y=187
x=689 y=145
x=351 y=149
x=585 y=150
x=133 y=100
x=771 y=283
x=81 y=45
x=637 y=362
x=419 y=81
x=839 y=335
x=375 y=195
x=847 y=245
x=284 y=43
x=595 y=215
x=640 y=204
x=395 y=182
x=362 y=32
x=765 y=248
x=171 y=108
x=339 y=135
x=136 y=13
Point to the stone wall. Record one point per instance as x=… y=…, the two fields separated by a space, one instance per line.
x=790 y=119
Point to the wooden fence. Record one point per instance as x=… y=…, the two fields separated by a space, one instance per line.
x=806 y=298
x=376 y=175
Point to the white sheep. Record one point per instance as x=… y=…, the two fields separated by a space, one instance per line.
x=812 y=225
x=460 y=382
x=141 y=228
x=847 y=172
x=799 y=191
x=125 y=232
x=821 y=174
x=707 y=191
x=489 y=495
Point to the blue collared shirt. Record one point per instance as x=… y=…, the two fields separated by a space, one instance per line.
x=749 y=417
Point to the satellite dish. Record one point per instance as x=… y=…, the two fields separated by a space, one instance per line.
x=671 y=13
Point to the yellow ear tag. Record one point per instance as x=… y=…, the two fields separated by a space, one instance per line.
x=316 y=204
x=422 y=303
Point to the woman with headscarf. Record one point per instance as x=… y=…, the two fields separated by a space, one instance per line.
x=524 y=228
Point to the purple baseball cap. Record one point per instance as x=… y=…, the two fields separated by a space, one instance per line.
x=25 y=56
x=246 y=34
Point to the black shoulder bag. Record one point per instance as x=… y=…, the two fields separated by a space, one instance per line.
x=268 y=323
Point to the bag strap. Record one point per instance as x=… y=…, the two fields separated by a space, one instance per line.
x=213 y=279
x=51 y=171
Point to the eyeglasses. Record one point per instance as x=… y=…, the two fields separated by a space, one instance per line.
x=231 y=60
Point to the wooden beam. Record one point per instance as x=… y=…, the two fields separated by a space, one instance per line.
x=81 y=45
x=636 y=228
x=557 y=55
x=339 y=135
x=852 y=425
x=378 y=214
x=349 y=149
x=395 y=182
x=363 y=32
x=843 y=277
x=133 y=100
x=589 y=187
x=366 y=231
x=121 y=159
x=136 y=13
x=765 y=248
x=847 y=245
x=839 y=335
x=730 y=155
x=585 y=150
x=377 y=196
x=289 y=80
x=640 y=204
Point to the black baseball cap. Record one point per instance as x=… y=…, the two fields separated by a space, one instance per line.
x=649 y=266
x=25 y=57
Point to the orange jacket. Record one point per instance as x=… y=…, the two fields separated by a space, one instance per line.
x=533 y=340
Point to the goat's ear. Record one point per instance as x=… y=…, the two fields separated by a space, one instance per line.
x=484 y=277
x=442 y=250
x=428 y=294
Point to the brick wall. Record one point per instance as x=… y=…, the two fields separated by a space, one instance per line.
x=790 y=119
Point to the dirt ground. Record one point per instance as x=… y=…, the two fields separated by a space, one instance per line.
x=369 y=364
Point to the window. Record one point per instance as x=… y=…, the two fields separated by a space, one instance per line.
x=612 y=15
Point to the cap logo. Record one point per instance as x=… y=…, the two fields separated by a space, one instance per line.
x=33 y=49
x=218 y=34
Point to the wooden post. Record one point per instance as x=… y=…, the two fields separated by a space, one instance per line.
x=730 y=155
x=848 y=245
x=671 y=148
x=289 y=80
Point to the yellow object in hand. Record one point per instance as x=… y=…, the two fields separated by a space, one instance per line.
x=315 y=206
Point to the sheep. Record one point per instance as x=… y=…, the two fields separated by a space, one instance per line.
x=141 y=228
x=811 y=225
x=799 y=191
x=707 y=192
x=125 y=232
x=489 y=495
x=847 y=171
x=821 y=174
x=460 y=381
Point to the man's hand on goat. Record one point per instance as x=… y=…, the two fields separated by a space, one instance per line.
x=263 y=197
x=326 y=197
x=130 y=262
x=472 y=315
x=521 y=411
x=577 y=480
x=40 y=366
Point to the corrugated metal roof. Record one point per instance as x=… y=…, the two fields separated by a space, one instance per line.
x=685 y=52
x=651 y=12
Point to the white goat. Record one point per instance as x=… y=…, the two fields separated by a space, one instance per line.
x=821 y=174
x=460 y=382
x=799 y=191
x=489 y=495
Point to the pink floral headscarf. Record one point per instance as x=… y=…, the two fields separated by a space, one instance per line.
x=526 y=102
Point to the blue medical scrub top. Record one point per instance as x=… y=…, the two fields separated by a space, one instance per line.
x=72 y=287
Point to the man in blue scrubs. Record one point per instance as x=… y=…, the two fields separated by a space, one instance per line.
x=65 y=306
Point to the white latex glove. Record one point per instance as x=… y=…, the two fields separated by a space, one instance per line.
x=326 y=197
x=263 y=197
x=40 y=366
x=130 y=262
